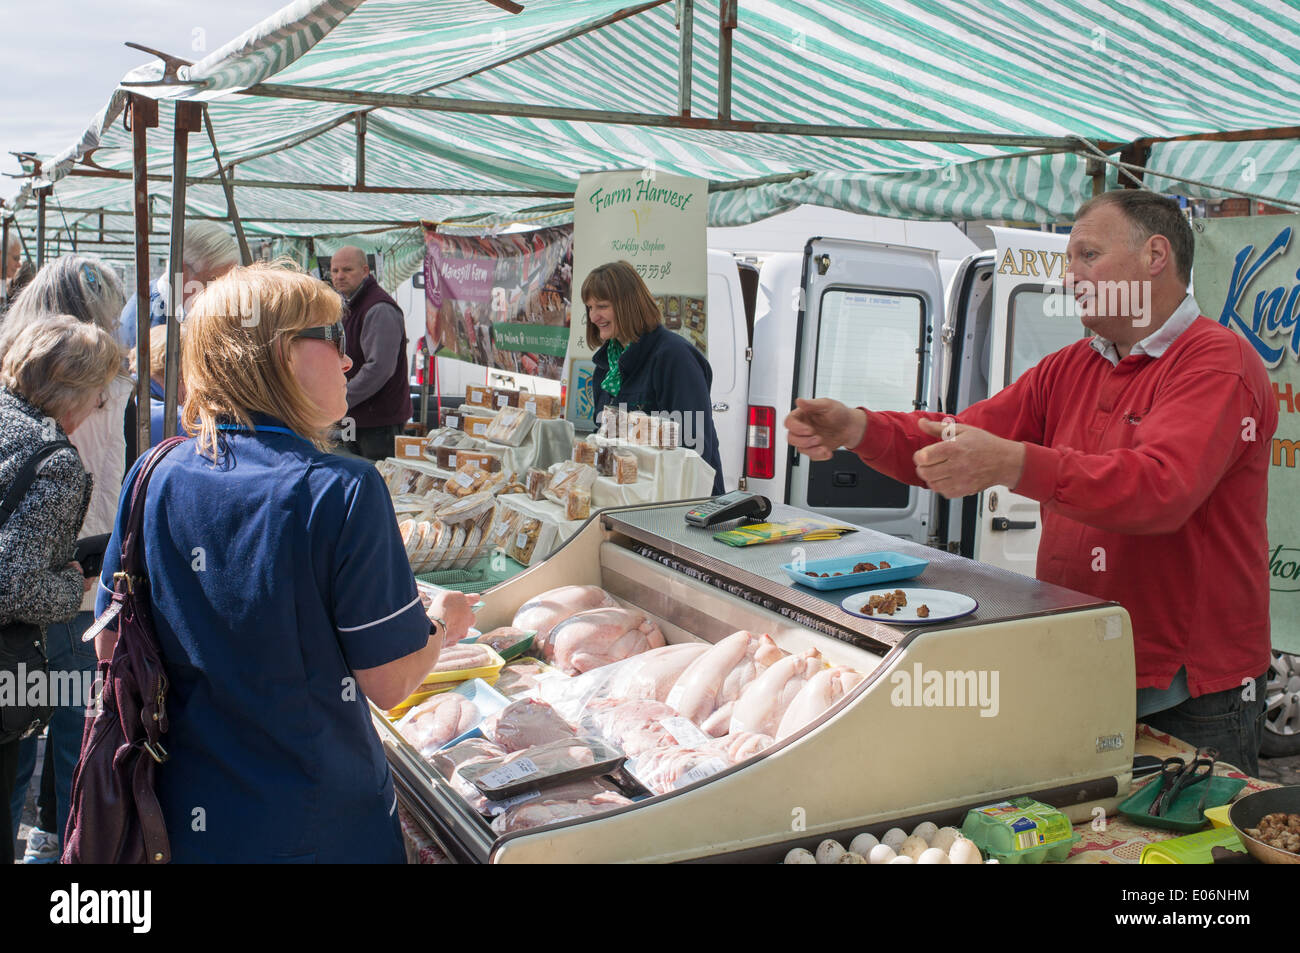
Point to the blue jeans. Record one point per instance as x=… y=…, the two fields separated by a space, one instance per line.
x=67 y=653
x=1224 y=720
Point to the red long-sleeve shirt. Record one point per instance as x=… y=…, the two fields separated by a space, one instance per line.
x=1160 y=465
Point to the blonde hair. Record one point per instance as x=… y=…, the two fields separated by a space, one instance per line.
x=235 y=351
x=58 y=363
x=157 y=352
x=635 y=311
x=85 y=288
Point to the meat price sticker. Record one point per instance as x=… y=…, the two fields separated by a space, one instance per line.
x=705 y=769
x=509 y=773
x=685 y=731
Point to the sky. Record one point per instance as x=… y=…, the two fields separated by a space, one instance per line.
x=61 y=59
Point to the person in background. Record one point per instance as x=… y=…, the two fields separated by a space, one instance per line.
x=157 y=366
x=88 y=290
x=209 y=252
x=303 y=604
x=642 y=365
x=52 y=377
x=379 y=392
x=18 y=273
x=1148 y=444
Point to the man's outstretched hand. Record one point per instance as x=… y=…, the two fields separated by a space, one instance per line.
x=817 y=428
x=967 y=459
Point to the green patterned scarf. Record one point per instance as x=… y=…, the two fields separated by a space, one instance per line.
x=613 y=381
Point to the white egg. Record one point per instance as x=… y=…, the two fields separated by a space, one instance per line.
x=863 y=843
x=829 y=852
x=932 y=855
x=964 y=852
x=894 y=837
x=903 y=859
x=914 y=847
x=852 y=858
x=991 y=860
x=881 y=854
x=926 y=829
x=800 y=856
x=944 y=837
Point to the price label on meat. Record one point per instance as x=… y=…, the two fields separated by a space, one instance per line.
x=685 y=731
x=705 y=769
x=500 y=807
x=509 y=773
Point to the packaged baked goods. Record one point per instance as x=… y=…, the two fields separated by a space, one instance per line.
x=448 y=458
x=605 y=461
x=624 y=467
x=613 y=422
x=451 y=419
x=512 y=485
x=445 y=437
x=638 y=428
x=504 y=397
x=477 y=426
x=467 y=509
x=426 y=483
x=541 y=406
x=567 y=476
x=466 y=481
x=535 y=481
x=670 y=433
x=489 y=460
x=525 y=540
x=510 y=427
x=503 y=529
x=388 y=471
x=577 y=503
x=405 y=447
x=478 y=395
x=405 y=479
x=584 y=451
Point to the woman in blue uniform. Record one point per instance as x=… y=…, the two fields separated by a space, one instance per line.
x=641 y=365
x=280 y=590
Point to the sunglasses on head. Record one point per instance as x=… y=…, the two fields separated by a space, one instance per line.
x=330 y=332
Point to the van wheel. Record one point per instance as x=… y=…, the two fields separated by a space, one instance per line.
x=1282 y=713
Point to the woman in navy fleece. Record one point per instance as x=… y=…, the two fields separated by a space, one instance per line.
x=642 y=365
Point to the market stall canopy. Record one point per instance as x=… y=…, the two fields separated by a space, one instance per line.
x=338 y=117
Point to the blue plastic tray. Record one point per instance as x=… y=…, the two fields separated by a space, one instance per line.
x=900 y=567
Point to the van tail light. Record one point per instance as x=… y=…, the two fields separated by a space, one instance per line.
x=760 y=455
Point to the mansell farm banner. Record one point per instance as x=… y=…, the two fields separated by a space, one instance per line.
x=656 y=222
x=501 y=301
x=1245 y=277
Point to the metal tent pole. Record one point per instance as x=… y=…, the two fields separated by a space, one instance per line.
x=245 y=256
x=40 y=226
x=188 y=119
x=142 y=115
x=727 y=21
x=685 y=34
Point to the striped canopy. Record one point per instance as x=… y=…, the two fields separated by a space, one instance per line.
x=932 y=109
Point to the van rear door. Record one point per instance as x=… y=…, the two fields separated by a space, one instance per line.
x=865 y=338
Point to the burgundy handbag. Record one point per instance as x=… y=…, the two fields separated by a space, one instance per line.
x=115 y=817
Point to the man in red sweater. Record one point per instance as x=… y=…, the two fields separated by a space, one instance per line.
x=1147 y=447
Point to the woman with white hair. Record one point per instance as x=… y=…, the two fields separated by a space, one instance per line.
x=88 y=290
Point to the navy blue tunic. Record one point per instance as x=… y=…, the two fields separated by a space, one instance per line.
x=274 y=575
x=663 y=371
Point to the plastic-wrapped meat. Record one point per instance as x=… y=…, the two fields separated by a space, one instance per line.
x=708 y=689
x=543 y=612
x=449 y=761
x=550 y=809
x=553 y=758
x=818 y=694
x=653 y=674
x=664 y=769
x=764 y=702
x=634 y=726
x=456 y=657
x=600 y=637
x=520 y=677
x=432 y=723
x=744 y=745
x=526 y=723
x=503 y=638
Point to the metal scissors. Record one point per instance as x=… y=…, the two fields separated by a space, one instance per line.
x=1177 y=775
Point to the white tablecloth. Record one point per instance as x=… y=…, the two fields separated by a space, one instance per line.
x=549 y=442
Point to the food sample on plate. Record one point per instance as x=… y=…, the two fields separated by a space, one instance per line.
x=887 y=604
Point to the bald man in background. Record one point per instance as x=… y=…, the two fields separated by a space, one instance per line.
x=379 y=393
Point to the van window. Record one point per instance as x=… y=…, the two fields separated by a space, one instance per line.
x=867 y=344
x=1038 y=323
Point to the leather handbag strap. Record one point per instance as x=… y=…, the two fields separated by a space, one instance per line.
x=132 y=545
x=26 y=477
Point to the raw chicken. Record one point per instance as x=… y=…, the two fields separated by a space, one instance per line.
x=503 y=638
x=526 y=723
x=708 y=689
x=541 y=613
x=550 y=810
x=653 y=674
x=634 y=726
x=744 y=745
x=598 y=637
x=551 y=759
x=449 y=761
x=664 y=769
x=522 y=676
x=432 y=723
x=765 y=701
x=818 y=694
x=456 y=657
